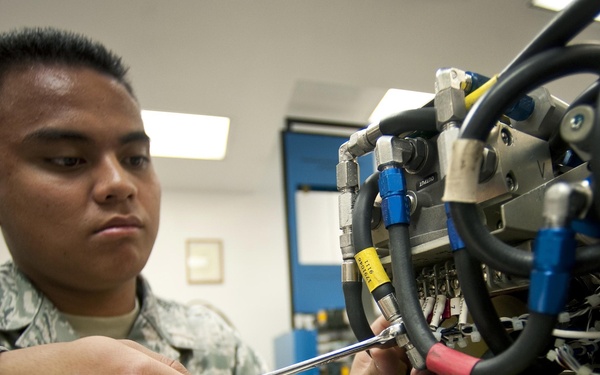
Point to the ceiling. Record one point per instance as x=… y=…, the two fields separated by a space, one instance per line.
x=262 y=61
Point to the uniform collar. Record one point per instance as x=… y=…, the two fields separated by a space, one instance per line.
x=159 y=314
x=24 y=308
x=19 y=300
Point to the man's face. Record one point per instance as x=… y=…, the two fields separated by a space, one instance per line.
x=79 y=199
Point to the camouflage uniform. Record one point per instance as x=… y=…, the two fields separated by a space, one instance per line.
x=201 y=339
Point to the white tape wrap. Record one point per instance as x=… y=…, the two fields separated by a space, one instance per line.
x=455 y=306
x=428 y=306
x=463 y=171
x=464 y=312
x=438 y=310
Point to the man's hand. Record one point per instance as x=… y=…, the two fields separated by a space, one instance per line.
x=89 y=356
x=392 y=361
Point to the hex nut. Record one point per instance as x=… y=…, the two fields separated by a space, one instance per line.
x=420 y=153
x=393 y=150
x=347 y=174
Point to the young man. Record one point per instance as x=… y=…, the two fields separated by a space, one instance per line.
x=79 y=210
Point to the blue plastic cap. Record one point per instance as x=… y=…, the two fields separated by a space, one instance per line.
x=522 y=109
x=554 y=257
x=456 y=243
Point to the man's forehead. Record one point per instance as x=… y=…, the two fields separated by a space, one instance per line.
x=42 y=95
x=54 y=79
x=52 y=74
x=53 y=82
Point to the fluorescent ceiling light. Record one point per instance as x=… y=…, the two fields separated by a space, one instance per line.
x=555 y=5
x=186 y=136
x=396 y=100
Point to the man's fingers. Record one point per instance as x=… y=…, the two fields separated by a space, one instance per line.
x=390 y=361
x=387 y=361
x=175 y=365
x=379 y=325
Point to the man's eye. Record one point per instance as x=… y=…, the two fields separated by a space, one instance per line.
x=137 y=161
x=67 y=161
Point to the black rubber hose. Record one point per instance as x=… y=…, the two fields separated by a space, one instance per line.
x=589 y=96
x=517 y=357
x=513 y=360
x=563 y=27
x=558 y=146
x=530 y=344
x=586 y=260
x=502 y=257
x=354 y=308
x=484 y=246
x=362 y=214
x=485 y=317
x=595 y=162
x=405 y=283
x=532 y=73
x=420 y=119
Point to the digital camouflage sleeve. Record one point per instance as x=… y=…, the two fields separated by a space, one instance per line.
x=197 y=337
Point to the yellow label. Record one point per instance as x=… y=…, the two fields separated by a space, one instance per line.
x=371 y=269
x=475 y=95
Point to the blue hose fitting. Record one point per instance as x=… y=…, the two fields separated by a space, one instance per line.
x=456 y=243
x=522 y=109
x=554 y=257
x=477 y=80
x=395 y=207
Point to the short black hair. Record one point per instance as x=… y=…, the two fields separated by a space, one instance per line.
x=54 y=46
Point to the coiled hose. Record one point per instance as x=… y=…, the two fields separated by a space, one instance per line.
x=532 y=341
x=534 y=72
x=361 y=236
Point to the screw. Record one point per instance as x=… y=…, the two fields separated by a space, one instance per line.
x=577 y=121
x=510 y=183
x=506 y=137
x=412 y=200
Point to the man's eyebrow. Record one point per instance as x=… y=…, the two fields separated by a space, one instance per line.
x=55 y=135
x=70 y=135
x=138 y=136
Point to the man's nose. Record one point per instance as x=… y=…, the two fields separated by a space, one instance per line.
x=113 y=183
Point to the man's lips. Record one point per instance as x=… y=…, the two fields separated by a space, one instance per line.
x=120 y=224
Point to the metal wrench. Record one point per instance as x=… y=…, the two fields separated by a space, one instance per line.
x=384 y=337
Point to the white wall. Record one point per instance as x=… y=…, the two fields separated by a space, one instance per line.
x=255 y=292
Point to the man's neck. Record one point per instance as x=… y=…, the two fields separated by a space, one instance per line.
x=100 y=303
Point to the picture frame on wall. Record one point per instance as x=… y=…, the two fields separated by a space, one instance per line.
x=204 y=261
